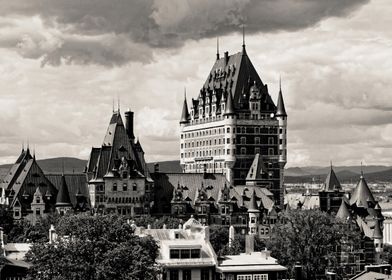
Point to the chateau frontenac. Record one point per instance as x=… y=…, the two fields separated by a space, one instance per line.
x=233 y=120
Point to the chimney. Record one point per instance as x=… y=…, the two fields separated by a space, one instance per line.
x=231 y=235
x=226 y=57
x=164 y=226
x=266 y=253
x=249 y=243
x=207 y=233
x=129 y=124
x=298 y=271
x=156 y=168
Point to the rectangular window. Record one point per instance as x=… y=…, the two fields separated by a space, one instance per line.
x=174 y=274
x=243 y=151
x=38 y=212
x=228 y=151
x=243 y=140
x=205 y=274
x=134 y=187
x=185 y=254
x=244 y=277
x=260 y=277
x=174 y=254
x=228 y=141
x=186 y=274
x=114 y=187
x=195 y=253
x=257 y=140
x=271 y=151
x=125 y=187
x=257 y=150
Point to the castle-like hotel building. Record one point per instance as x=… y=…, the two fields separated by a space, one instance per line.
x=232 y=120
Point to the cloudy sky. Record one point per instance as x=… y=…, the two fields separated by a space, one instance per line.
x=62 y=62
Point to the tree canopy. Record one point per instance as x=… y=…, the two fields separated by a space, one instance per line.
x=311 y=238
x=94 y=247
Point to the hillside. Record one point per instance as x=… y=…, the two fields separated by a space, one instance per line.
x=54 y=165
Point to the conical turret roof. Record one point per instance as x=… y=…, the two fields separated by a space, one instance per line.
x=185 y=113
x=229 y=109
x=280 y=108
x=63 y=199
x=343 y=212
x=253 y=203
x=257 y=169
x=362 y=194
x=332 y=183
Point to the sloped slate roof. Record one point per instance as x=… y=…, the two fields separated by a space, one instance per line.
x=332 y=183
x=362 y=194
x=75 y=182
x=280 y=110
x=257 y=169
x=63 y=198
x=343 y=212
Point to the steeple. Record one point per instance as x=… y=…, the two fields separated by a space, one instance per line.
x=281 y=110
x=185 y=112
x=332 y=183
x=362 y=194
x=229 y=109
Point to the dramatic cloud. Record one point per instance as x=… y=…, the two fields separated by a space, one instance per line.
x=115 y=32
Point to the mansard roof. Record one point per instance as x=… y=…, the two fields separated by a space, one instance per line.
x=362 y=194
x=213 y=184
x=331 y=182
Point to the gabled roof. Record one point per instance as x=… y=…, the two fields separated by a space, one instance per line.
x=332 y=183
x=257 y=169
x=362 y=194
x=63 y=199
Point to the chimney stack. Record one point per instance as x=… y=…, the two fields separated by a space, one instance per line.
x=2 y=240
x=129 y=124
x=226 y=57
x=156 y=168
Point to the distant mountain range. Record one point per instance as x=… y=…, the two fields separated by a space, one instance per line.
x=346 y=174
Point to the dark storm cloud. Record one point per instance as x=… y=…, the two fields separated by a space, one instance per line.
x=157 y=24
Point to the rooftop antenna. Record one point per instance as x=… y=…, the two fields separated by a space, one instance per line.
x=217 y=48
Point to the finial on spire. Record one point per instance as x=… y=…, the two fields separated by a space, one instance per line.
x=280 y=83
x=330 y=163
x=113 y=105
x=184 y=93
x=118 y=104
x=62 y=163
x=243 y=38
x=361 y=170
x=217 y=48
x=22 y=146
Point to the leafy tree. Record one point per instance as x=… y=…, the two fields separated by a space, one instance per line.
x=310 y=237
x=6 y=219
x=386 y=256
x=94 y=247
x=219 y=238
x=154 y=222
x=24 y=231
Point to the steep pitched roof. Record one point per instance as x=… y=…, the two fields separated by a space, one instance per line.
x=343 y=212
x=63 y=198
x=185 y=113
x=252 y=203
x=332 y=183
x=257 y=169
x=280 y=109
x=362 y=194
x=377 y=233
x=229 y=108
x=75 y=182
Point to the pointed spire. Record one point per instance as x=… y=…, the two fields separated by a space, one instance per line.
x=377 y=233
x=217 y=48
x=63 y=199
x=362 y=195
x=113 y=105
x=229 y=108
x=118 y=104
x=280 y=109
x=332 y=183
x=253 y=203
x=343 y=212
x=185 y=113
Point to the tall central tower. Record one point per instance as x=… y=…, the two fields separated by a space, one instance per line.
x=232 y=120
